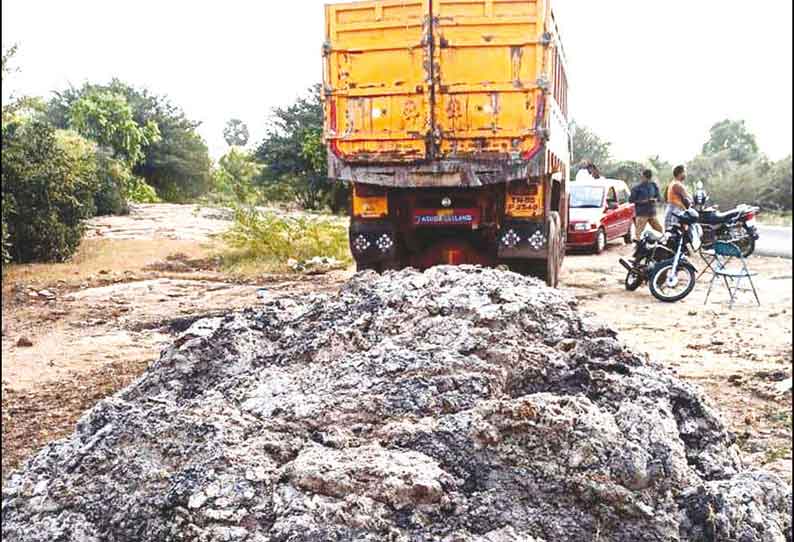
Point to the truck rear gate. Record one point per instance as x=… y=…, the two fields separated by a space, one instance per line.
x=451 y=95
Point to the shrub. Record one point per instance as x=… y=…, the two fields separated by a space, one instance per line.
x=112 y=177
x=138 y=191
x=49 y=181
x=275 y=239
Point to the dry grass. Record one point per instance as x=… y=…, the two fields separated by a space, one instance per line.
x=32 y=418
x=96 y=256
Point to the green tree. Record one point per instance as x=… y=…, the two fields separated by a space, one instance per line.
x=49 y=181
x=293 y=154
x=662 y=169
x=236 y=133
x=778 y=192
x=625 y=170
x=7 y=209
x=177 y=165
x=734 y=138
x=107 y=118
x=236 y=175
x=587 y=145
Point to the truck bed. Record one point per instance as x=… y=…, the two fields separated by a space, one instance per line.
x=443 y=92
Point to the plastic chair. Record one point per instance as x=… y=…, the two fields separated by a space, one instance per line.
x=731 y=277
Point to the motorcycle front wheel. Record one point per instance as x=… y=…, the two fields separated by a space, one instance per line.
x=670 y=291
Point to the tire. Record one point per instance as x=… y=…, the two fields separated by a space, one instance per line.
x=367 y=267
x=538 y=269
x=601 y=241
x=747 y=246
x=631 y=235
x=554 y=261
x=657 y=282
x=633 y=281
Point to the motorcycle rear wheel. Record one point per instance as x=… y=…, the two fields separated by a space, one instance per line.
x=747 y=246
x=743 y=240
x=633 y=281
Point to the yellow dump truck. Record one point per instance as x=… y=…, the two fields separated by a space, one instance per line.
x=450 y=119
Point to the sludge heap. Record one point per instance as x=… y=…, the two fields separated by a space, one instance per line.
x=458 y=405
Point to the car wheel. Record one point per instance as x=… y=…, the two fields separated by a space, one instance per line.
x=601 y=241
x=632 y=234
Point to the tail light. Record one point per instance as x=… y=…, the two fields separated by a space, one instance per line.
x=750 y=218
x=370 y=201
x=524 y=200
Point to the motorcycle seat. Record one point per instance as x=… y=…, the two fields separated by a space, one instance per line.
x=718 y=217
x=652 y=235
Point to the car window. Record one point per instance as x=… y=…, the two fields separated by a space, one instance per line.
x=583 y=197
x=623 y=196
x=611 y=195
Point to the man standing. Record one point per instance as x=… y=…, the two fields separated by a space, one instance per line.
x=644 y=196
x=678 y=199
x=587 y=172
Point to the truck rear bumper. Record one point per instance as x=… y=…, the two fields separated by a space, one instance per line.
x=523 y=239
x=438 y=173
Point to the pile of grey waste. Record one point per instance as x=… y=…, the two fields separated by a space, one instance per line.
x=457 y=405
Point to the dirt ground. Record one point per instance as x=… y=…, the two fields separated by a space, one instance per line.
x=74 y=333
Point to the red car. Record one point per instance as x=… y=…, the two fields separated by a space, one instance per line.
x=599 y=213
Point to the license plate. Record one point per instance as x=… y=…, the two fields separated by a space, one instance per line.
x=522 y=206
x=446 y=217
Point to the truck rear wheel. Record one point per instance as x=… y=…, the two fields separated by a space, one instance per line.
x=547 y=270
x=379 y=267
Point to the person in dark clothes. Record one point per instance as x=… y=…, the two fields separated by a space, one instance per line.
x=645 y=195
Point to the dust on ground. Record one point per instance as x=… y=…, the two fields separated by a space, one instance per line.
x=95 y=323
x=742 y=356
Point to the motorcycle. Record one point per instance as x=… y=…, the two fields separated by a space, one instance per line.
x=662 y=261
x=648 y=251
x=737 y=226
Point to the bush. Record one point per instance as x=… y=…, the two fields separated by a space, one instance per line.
x=113 y=176
x=138 y=191
x=275 y=239
x=49 y=181
x=758 y=182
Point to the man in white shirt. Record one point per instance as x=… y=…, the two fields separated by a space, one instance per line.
x=588 y=172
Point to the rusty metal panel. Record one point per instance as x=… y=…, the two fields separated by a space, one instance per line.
x=377 y=81
x=444 y=92
x=489 y=81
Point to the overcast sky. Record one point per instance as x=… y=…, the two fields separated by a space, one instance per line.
x=650 y=76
